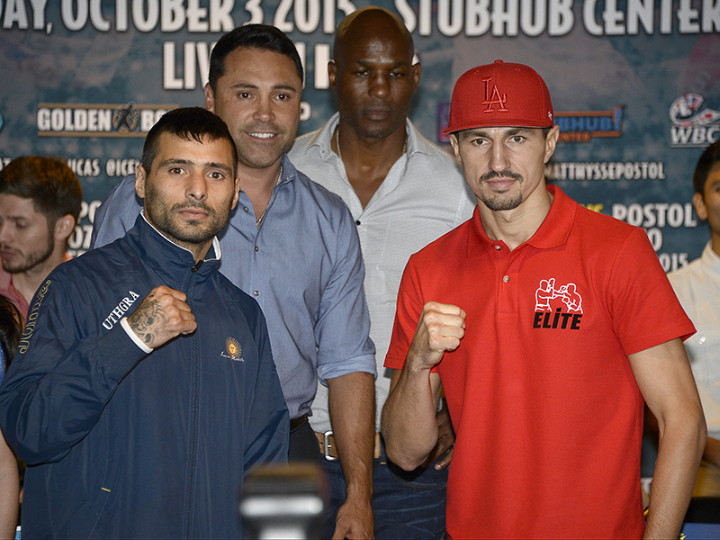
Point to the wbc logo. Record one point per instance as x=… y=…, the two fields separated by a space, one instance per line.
x=493 y=98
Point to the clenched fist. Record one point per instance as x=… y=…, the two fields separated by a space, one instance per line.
x=440 y=329
x=162 y=315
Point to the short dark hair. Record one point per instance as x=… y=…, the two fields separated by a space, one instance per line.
x=707 y=160
x=255 y=36
x=48 y=181
x=187 y=123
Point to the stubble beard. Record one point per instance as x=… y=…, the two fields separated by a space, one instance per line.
x=501 y=201
x=184 y=233
x=32 y=259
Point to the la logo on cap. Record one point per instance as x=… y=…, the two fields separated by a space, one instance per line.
x=501 y=94
x=494 y=97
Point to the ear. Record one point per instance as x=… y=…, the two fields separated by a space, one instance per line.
x=699 y=204
x=332 y=73
x=140 y=176
x=551 y=143
x=209 y=98
x=237 y=193
x=456 y=147
x=416 y=70
x=64 y=227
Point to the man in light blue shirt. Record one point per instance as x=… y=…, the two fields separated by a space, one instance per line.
x=292 y=245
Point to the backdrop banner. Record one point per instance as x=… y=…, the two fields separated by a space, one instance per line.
x=635 y=85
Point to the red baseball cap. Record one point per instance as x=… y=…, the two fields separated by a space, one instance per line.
x=500 y=95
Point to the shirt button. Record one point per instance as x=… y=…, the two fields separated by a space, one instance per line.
x=498 y=247
x=246 y=208
x=506 y=278
x=257 y=248
x=357 y=222
x=256 y=293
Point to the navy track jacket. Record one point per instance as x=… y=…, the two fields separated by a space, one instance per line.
x=123 y=444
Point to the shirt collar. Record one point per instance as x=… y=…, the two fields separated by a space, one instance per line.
x=711 y=260
x=5 y=279
x=323 y=138
x=288 y=173
x=556 y=227
x=553 y=231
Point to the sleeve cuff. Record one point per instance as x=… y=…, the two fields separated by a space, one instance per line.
x=126 y=326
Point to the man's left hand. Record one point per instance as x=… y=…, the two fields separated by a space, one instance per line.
x=354 y=520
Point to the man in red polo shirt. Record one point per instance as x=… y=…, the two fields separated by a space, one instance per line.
x=548 y=326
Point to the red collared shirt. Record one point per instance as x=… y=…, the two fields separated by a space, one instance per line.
x=11 y=293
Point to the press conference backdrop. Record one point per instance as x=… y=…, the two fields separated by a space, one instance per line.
x=635 y=85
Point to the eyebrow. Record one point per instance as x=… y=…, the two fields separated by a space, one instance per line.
x=281 y=86
x=479 y=132
x=211 y=164
x=368 y=63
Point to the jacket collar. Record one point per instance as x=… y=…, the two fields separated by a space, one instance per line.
x=166 y=257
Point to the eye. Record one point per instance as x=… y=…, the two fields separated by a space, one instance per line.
x=217 y=175
x=244 y=95
x=284 y=97
x=397 y=74
x=361 y=73
x=176 y=170
x=516 y=139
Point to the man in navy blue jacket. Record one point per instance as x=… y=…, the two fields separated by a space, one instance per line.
x=144 y=387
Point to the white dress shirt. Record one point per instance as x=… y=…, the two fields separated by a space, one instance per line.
x=698 y=288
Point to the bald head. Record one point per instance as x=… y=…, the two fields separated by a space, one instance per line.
x=372 y=75
x=371 y=23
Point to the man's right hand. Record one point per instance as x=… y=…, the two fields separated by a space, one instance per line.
x=162 y=315
x=440 y=329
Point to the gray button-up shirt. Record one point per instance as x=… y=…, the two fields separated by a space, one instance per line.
x=422 y=197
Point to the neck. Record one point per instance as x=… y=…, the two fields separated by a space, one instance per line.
x=253 y=179
x=367 y=160
x=372 y=152
x=258 y=185
x=29 y=281
x=715 y=242
x=515 y=227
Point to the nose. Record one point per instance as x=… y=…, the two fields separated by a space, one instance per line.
x=499 y=160
x=197 y=188
x=263 y=110
x=5 y=233
x=379 y=84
